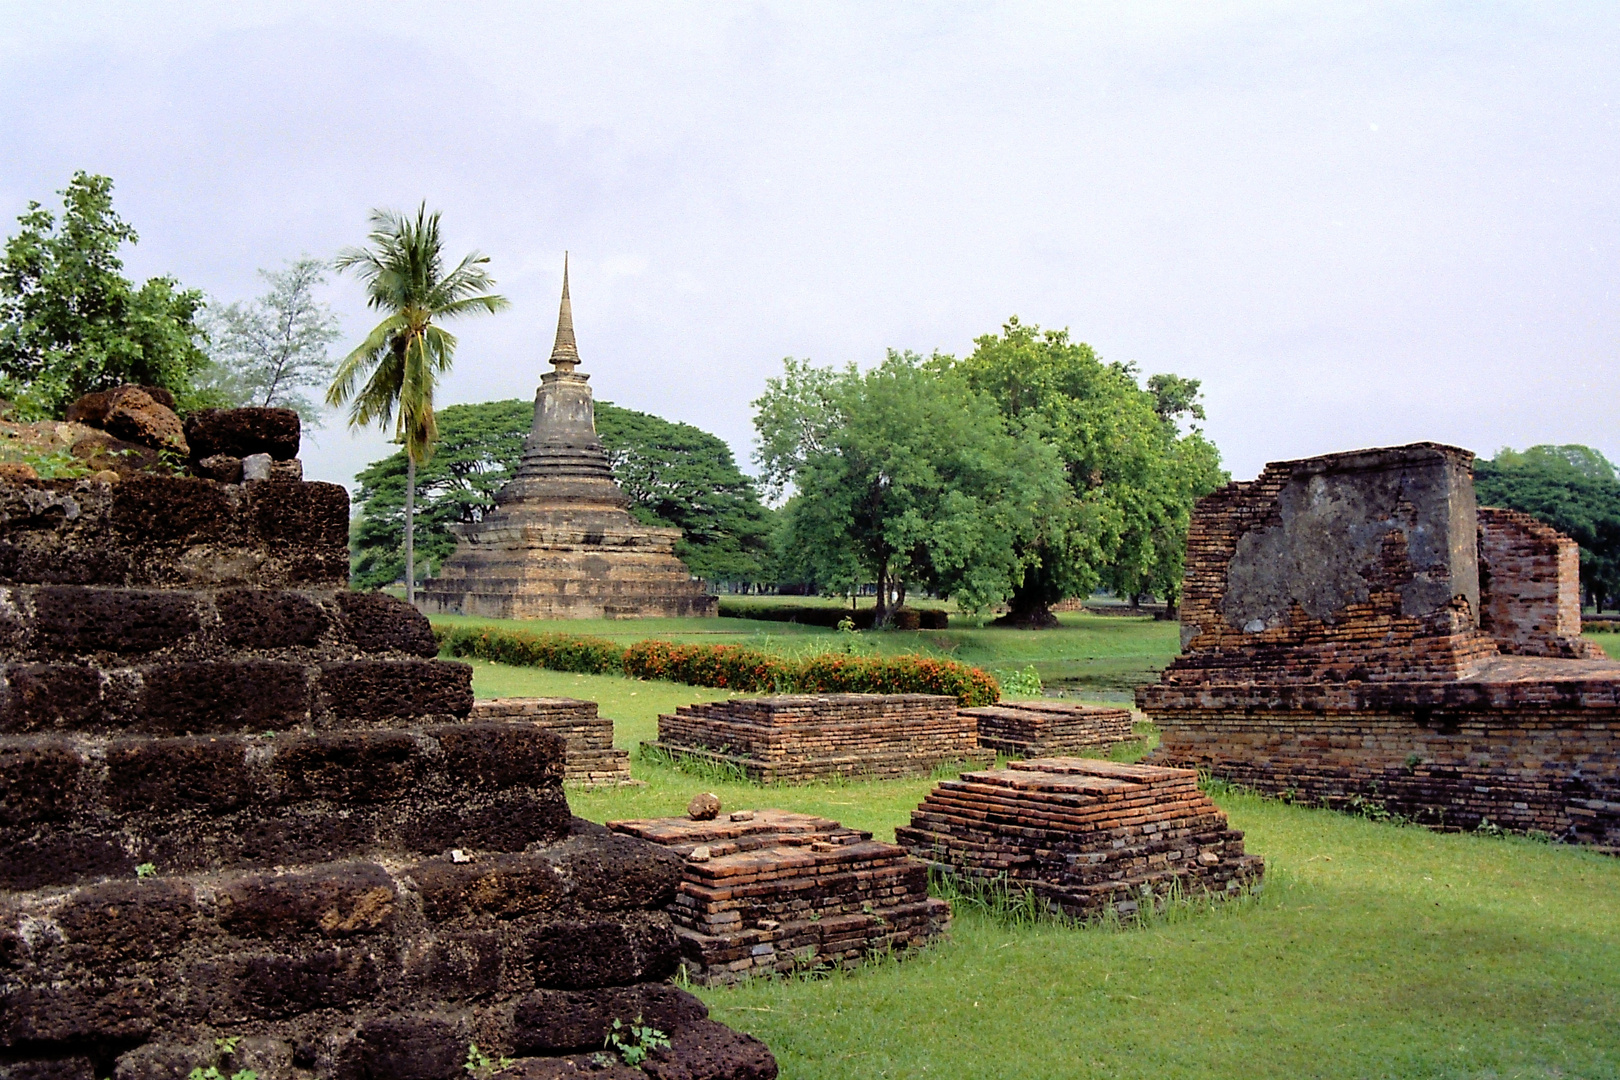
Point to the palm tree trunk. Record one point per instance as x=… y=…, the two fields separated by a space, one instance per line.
x=410 y=527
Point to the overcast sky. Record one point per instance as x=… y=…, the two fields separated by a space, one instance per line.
x=1358 y=224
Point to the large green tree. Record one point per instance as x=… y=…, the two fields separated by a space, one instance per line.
x=674 y=474
x=905 y=475
x=71 y=322
x=390 y=377
x=1572 y=488
x=1133 y=476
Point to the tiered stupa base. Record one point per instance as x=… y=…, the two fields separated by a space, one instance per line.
x=769 y=891
x=1081 y=834
x=1022 y=729
x=590 y=757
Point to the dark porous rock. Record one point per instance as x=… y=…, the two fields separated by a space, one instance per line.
x=240 y=432
x=39 y=781
x=282 y=984
x=76 y=619
x=104 y=452
x=456 y=965
x=63 y=1068
x=381 y=623
x=583 y=955
x=287 y=471
x=224 y=695
x=561 y=1021
x=597 y=1065
x=405 y=1048
x=91 y=409
x=312 y=514
x=352 y=767
x=613 y=872
x=118 y=920
x=165 y=508
x=222 y=468
x=380 y=689
x=133 y=415
x=165 y=774
x=500 y=755
x=162 y=395
x=47 y=857
x=705 y=1050
x=39 y=697
x=494 y=887
x=332 y=901
x=163 y=1061
x=265 y=619
x=510 y=821
x=91 y=1009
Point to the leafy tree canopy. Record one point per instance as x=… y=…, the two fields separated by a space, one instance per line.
x=904 y=474
x=675 y=475
x=1572 y=488
x=269 y=350
x=1132 y=473
x=71 y=323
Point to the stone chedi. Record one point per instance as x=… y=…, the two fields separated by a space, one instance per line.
x=246 y=823
x=1355 y=630
x=559 y=543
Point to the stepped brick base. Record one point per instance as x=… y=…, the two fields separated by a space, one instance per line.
x=1022 y=729
x=1082 y=834
x=589 y=756
x=780 y=891
x=805 y=737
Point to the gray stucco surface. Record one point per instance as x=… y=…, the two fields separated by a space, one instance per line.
x=1327 y=549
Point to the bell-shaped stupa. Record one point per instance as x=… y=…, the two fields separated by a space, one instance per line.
x=559 y=543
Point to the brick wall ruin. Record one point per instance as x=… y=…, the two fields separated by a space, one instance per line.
x=805 y=736
x=240 y=802
x=770 y=891
x=1023 y=729
x=1356 y=631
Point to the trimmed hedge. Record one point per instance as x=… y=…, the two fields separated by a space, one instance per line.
x=728 y=667
x=810 y=615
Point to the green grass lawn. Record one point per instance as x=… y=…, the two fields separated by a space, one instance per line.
x=1374 y=951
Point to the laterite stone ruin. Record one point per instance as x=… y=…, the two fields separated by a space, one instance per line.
x=1023 y=729
x=1082 y=835
x=1356 y=631
x=806 y=736
x=589 y=757
x=769 y=891
x=238 y=801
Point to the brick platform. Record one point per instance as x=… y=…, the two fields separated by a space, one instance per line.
x=805 y=736
x=781 y=891
x=239 y=801
x=589 y=757
x=1082 y=834
x=1344 y=625
x=1024 y=729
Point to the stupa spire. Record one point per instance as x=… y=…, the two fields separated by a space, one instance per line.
x=565 y=353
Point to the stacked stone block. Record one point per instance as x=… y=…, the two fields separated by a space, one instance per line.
x=771 y=891
x=1022 y=729
x=805 y=736
x=1083 y=835
x=589 y=756
x=1344 y=636
x=238 y=802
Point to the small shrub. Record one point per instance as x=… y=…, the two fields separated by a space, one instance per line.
x=480 y=1064
x=556 y=652
x=634 y=1041
x=1025 y=683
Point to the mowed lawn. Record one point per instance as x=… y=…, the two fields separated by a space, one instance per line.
x=1373 y=951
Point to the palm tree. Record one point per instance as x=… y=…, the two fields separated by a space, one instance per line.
x=404 y=355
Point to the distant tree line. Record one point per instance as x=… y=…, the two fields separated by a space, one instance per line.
x=1575 y=490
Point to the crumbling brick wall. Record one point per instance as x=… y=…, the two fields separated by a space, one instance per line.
x=1530 y=587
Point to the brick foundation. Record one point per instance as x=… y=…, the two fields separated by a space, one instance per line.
x=1023 y=729
x=781 y=891
x=589 y=757
x=1344 y=625
x=805 y=737
x=1083 y=835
